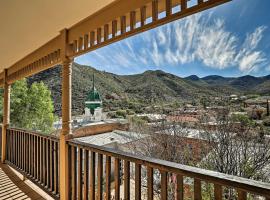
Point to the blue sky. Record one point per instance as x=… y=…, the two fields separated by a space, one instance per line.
x=230 y=40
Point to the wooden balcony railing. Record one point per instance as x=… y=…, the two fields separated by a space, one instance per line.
x=93 y=179
x=96 y=172
x=36 y=156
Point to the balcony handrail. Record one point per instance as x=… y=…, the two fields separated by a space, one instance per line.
x=43 y=135
x=248 y=185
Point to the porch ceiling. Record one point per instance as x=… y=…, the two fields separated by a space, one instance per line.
x=38 y=21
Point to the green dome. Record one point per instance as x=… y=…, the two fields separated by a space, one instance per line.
x=93 y=101
x=93 y=95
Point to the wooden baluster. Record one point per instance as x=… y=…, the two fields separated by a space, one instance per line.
x=86 y=41
x=183 y=5
x=92 y=176
x=36 y=156
x=44 y=161
x=7 y=144
x=11 y=146
x=137 y=181
x=56 y=167
x=164 y=189
x=18 y=150
x=242 y=195
x=75 y=46
x=150 y=191
x=126 y=180
x=51 y=165
x=117 y=178
x=99 y=176
x=80 y=44
x=179 y=187
x=34 y=152
x=14 y=149
x=36 y=161
x=48 y=162
x=16 y=155
x=21 y=149
x=92 y=38
x=30 y=155
x=114 y=28
x=39 y=159
x=132 y=20
x=218 y=192
x=74 y=172
x=108 y=178
x=49 y=59
x=98 y=35
x=143 y=15
x=123 y=24
x=79 y=188
x=33 y=157
x=155 y=10
x=168 y=8
x=37 y=153
x=85 y=174
x=197 y=189
x=106 y=32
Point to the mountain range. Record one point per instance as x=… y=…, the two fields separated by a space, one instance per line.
x=146 y=88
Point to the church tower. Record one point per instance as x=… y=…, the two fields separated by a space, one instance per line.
x=93 y=104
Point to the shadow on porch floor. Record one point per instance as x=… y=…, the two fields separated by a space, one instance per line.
x=13 y=187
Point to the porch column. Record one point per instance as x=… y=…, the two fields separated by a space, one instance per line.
x=66 y=127
x=6 y=114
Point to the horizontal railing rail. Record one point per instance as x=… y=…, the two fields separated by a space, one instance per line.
x=36 y=156
x=86 y=179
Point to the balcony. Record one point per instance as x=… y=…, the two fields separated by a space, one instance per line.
x=68 y=169
x=96 y=172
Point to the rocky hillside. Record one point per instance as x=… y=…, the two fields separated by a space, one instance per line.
x=146 y=88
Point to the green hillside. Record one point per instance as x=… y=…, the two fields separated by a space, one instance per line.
x=140 y=90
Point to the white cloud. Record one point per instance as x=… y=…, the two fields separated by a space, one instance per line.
x=216 y=47
x=248 y=59
x=253 y=39
x=195 y=38
x=251 y=61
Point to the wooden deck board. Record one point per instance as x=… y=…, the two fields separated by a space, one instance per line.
x=13 y=187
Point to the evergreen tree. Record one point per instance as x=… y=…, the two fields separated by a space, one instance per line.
x=31 y=107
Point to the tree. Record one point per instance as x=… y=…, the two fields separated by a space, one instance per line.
x=166 y=141
x=238 y=148
x=31 y=107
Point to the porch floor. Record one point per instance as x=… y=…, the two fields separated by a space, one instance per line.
x=13 y=187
